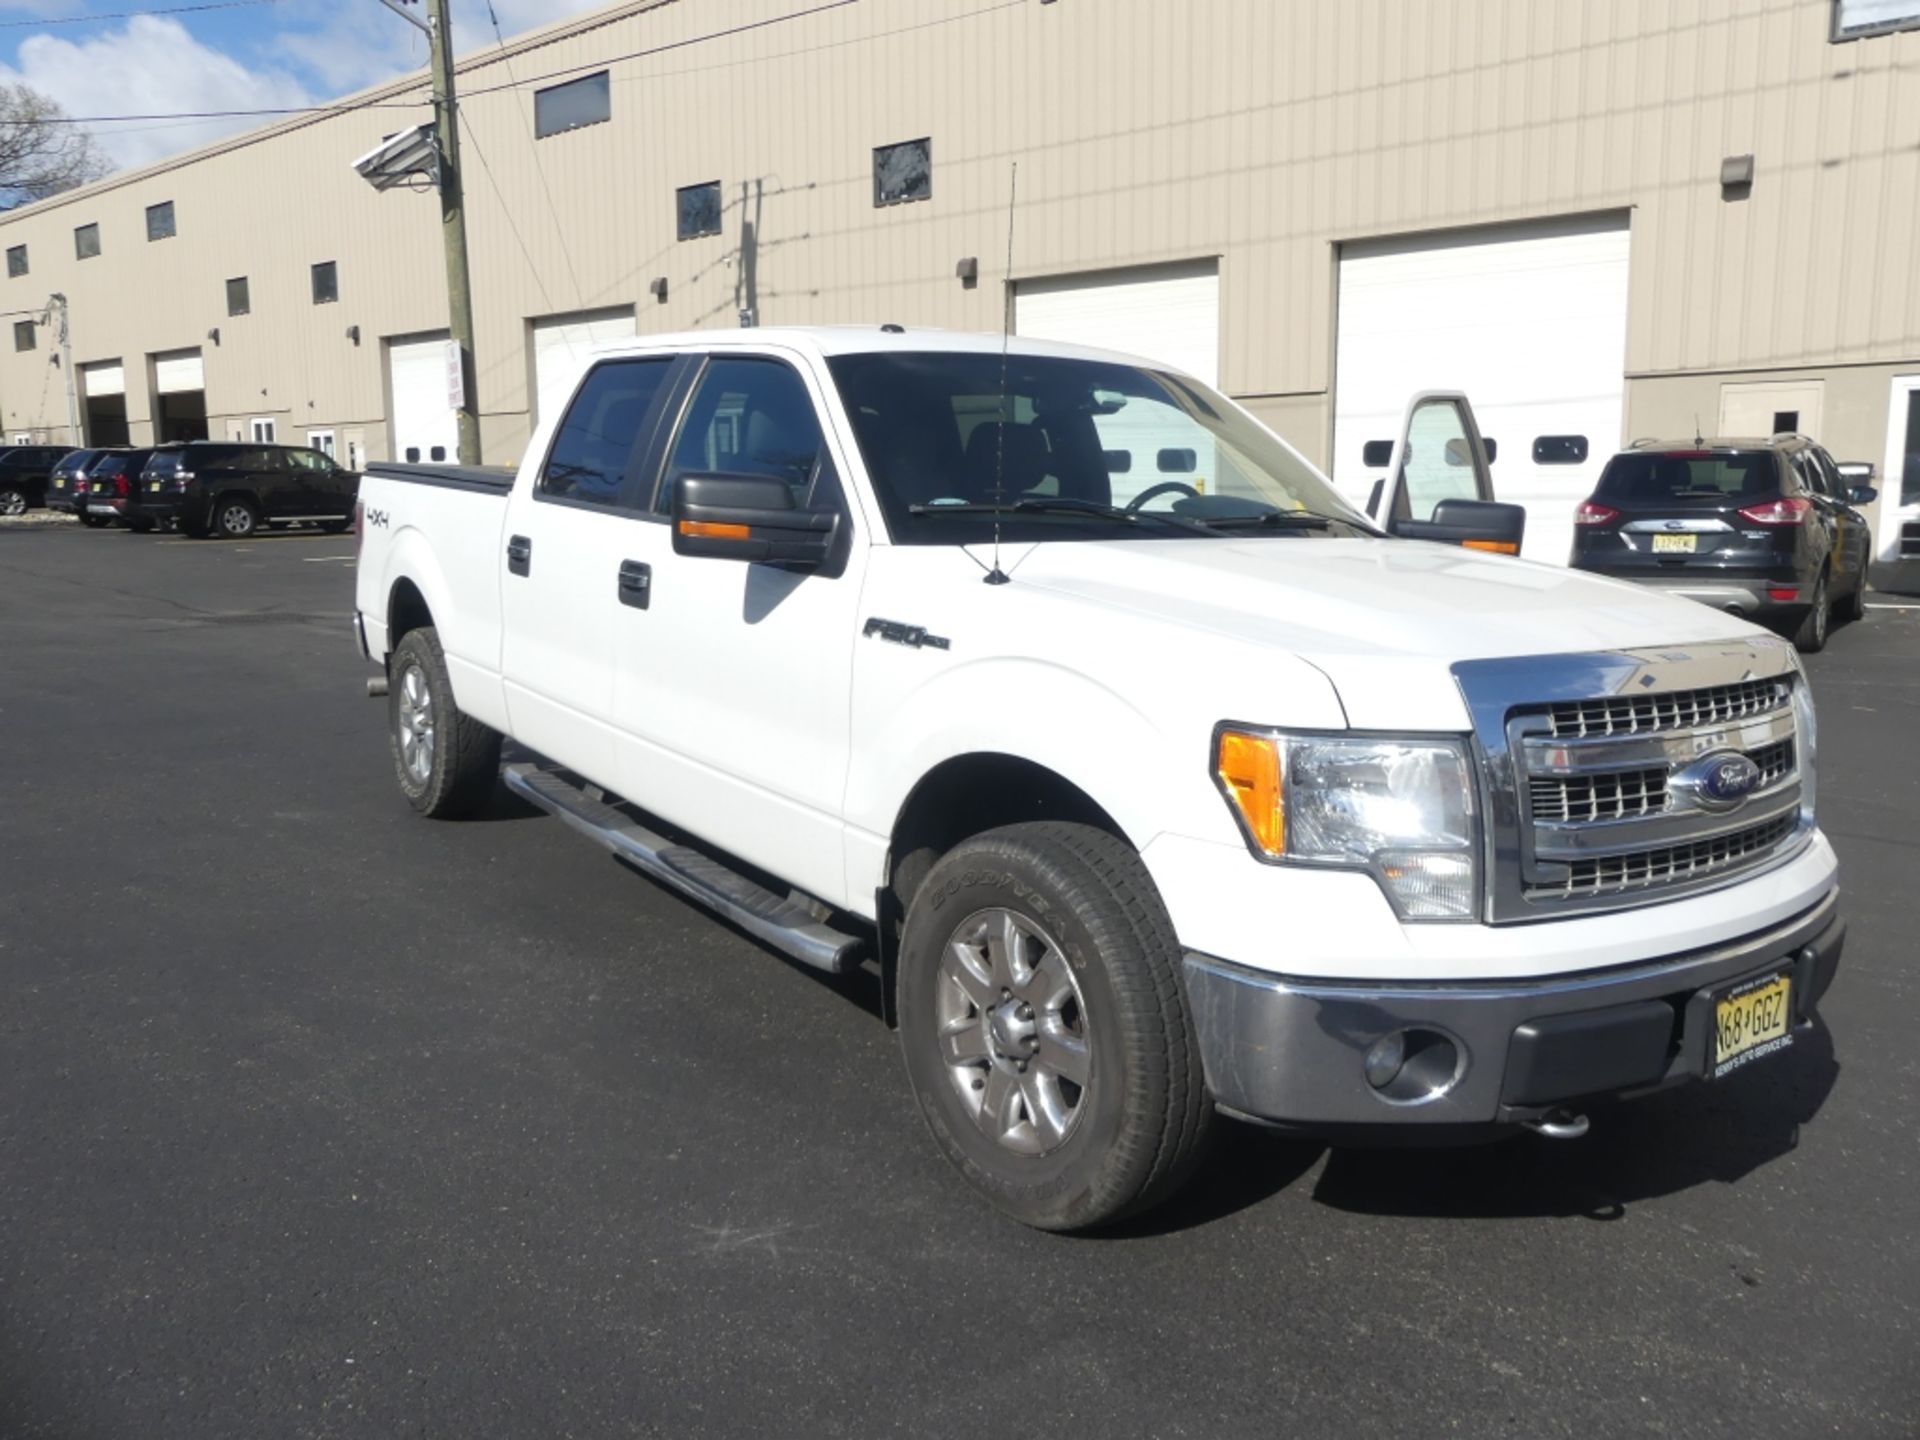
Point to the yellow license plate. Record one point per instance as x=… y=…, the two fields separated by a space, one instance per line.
x=1675 y=544
x=1751 y=1020
x=155 y=485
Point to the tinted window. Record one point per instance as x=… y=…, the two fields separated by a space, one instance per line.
x=164 y=465
x=586 y=101
x=200 y=457
x=16 y=260
x=326 y=283
x=747 y=417
x=86 y=241
x=699 y=210
x=160 y=221
x=309 y=460
x=597 y=436
x=903 y=172
x=1559 y=449
x=239 y=301
x=1689 y=477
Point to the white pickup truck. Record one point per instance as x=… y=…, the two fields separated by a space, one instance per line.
x=1155 y=779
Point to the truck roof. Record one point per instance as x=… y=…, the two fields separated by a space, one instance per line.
x=864 y=339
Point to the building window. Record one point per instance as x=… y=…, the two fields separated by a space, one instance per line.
x=699 y=209
x=86 y=242
x=326 y=283
x=321 y=440
x=16 y=260
x=1559 y=449
x=160 y=221
x=1856 y=19
x=239 y=302
x=586 y=101
x=23 y=336
x=903 y=172
x=265 y=432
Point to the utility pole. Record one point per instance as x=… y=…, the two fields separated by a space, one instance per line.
x=57 y=307
x=461 y=391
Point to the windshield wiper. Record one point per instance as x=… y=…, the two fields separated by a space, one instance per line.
x=1065 y=505
x=1284 y=520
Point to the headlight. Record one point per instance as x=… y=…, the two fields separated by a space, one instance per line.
x=1401 y=809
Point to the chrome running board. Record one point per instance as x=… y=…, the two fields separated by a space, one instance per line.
x=788 y=925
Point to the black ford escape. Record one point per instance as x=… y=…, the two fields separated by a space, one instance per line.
x=1764 y=528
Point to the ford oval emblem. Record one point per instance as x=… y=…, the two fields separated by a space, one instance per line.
x=1718 y=781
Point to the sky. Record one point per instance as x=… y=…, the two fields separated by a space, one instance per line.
x=256 y=55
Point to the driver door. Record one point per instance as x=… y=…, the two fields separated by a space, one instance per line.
x=1439 y=457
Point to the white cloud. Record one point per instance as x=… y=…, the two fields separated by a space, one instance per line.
x=363 y=45
x=151 y=66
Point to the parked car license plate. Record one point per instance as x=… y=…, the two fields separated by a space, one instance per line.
x=1751 y=1020
x=153 y=485
x=1675 y=544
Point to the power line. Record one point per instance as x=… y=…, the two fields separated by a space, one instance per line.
x=131 y=14
x=506 y=212
x=222 y=114
x=553 y=210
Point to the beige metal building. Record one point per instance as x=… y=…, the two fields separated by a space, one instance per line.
x=1603 y=218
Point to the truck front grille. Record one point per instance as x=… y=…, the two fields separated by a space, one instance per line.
x=1598 y=797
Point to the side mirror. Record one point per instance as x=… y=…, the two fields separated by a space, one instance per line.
x=1474 y=524
x=1862 y=495
x=1375 y=454
x=748 y=517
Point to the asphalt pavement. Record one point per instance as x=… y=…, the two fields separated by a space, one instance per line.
x=319 y=1119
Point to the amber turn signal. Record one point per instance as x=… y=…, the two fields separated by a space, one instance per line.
x=1495 y=547
x=714 y=530
x=1249 y=768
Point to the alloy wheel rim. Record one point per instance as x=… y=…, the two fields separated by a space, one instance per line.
x=13 y=503
x=414 y=725
x=1012 y=1031
x=236 y=520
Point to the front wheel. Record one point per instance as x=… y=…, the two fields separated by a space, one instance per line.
x=1045 y=1028
x=446 y=761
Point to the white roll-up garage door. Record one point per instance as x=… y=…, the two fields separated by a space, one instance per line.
x=109 y=377
x=177 y=371
x=1169 y=313
x=562 y=342
x=1530 y=320
x=423 y=429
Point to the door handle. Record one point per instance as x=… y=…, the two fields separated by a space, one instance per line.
x=636 y=584
x=519 y=555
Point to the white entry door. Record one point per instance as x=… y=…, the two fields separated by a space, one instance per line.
x=422 y=428
x=1897 y=533
x=1529 y=319
x=1169 y=313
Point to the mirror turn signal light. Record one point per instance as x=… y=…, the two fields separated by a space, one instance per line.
x=715 y=530
x=1249 y=769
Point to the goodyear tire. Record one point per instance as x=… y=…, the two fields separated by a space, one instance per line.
x=1045 y=1028
x=445 y=760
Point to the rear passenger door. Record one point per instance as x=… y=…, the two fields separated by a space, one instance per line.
x=322 y=489
x=733 y=683
x=567 y=532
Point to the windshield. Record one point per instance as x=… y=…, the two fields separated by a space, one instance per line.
x=945 y=444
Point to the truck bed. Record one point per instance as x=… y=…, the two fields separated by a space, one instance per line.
x=487 y=479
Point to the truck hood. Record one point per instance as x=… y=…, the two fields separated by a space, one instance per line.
x=1384 y=620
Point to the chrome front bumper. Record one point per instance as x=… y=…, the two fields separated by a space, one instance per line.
x=1296 y=1051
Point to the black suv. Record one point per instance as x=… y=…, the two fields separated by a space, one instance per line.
x=111 y=482
x=231 y=489
x=23 y=475
x=1764 y=528
x=67 y=483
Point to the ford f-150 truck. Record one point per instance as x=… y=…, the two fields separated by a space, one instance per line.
x=1155 y=779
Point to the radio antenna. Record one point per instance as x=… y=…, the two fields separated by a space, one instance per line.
x=997 y=576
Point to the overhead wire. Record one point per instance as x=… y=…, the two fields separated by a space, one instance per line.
x=540 y=170
x=132 y=14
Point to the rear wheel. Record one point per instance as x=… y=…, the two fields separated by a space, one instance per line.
x=1045 y=1028
x=13 y=501
x=1811 y=637
x=446 y=761
x=335 y=527
x=235 y=517
x=1854 y=607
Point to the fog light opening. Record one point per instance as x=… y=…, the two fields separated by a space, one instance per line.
x=1413 y=1066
